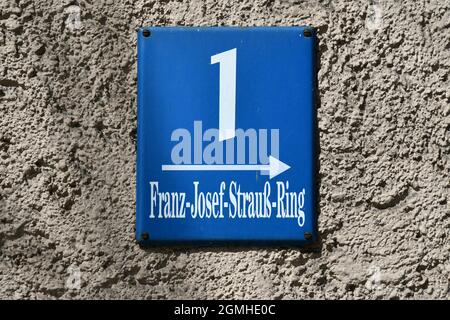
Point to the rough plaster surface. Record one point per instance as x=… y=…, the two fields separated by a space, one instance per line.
x=67 y=154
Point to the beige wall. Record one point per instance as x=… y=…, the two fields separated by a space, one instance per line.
x=67 y=154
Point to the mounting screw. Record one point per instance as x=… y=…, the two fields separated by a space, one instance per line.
x=307 y=235
x=307 y=33
x=144 y=236
x=146 y=33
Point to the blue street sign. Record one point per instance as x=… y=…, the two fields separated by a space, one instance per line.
x=225 y=136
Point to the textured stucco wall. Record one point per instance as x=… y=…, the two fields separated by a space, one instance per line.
x=67 y=154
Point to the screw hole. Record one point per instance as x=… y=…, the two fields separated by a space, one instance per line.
x=146 y=33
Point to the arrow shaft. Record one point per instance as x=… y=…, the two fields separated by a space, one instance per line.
x=214 y=167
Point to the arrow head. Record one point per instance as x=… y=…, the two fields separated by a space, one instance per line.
x=276 y=167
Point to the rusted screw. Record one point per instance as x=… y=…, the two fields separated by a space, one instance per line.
x=144 y=236
x=146 y=33
x=307 y=235
x=307 y=33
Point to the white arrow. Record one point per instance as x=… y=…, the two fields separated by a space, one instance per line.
x=274 y=168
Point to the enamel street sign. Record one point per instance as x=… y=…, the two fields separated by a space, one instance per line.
x=225 y=136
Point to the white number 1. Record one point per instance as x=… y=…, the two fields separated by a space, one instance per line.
x=227 y=93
